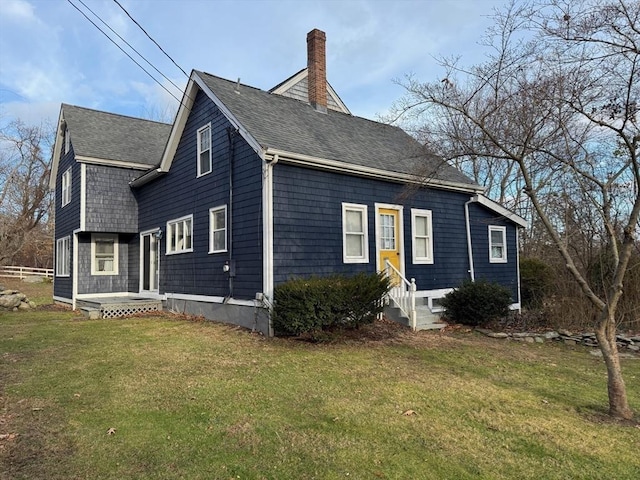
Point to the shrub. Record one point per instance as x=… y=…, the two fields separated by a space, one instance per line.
x=321 y=303
x=477 y=303
x=536 y=280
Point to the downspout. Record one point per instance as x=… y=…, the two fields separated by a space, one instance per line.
x=232 y=150
x=469 y=245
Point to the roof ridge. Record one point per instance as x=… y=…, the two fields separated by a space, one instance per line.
x=115 y=114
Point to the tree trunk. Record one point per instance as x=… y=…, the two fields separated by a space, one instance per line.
x=606 y=335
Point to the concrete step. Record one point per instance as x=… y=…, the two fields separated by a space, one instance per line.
x=91 y=313
x=425 y=320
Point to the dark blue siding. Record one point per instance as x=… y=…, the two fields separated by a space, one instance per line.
x=67 y=218
x=308 y=228
x=179 y=193
x=503 y=273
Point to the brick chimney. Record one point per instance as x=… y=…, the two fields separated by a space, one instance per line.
x=317 y=66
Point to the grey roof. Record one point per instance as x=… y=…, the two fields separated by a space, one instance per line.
x=108 y=136
x=287 y=124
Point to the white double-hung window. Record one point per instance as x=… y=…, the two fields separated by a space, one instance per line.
x=66 y=187
x=355 y=238
x=422 y=232
x=180 y=235
x=63 y=256
x=497 y=244
x=218 y=229
x=104 y=254
x=204 y=150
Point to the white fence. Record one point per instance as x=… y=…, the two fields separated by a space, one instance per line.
x=23 y=272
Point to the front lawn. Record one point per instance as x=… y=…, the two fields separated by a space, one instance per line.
x=167 y=398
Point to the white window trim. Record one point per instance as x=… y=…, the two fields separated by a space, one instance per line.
x=104 y=236
x=503 y=230
x=66 y=187
x=428 y=260
x=365 y=226
x=168 y=240
x=63 y=262
x=212 y=211
x=200 y=131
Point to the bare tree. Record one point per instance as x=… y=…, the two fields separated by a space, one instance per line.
x=24 y=184
x=554 y=109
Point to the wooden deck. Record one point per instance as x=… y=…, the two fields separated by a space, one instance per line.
x=116 y=307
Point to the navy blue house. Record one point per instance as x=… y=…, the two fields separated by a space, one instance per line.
x=248 y=188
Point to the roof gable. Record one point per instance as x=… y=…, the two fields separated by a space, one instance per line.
x=110 y=139
x=297 y=86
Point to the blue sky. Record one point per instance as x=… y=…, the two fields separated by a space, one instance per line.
x=50 y=54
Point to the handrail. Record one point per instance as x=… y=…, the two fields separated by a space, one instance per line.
x=12 y=271
x=403 y=294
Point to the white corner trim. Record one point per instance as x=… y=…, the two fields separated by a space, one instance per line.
x=267 y=229
x=57 y=150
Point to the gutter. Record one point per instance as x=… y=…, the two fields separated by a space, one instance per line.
x=146 y=178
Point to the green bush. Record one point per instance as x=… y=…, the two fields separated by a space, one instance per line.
x=477 y=303
x=536 y=280
x=322 y=303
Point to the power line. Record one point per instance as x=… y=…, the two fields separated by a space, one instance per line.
x=150 y=38
x=130 y=46
x=126 y=53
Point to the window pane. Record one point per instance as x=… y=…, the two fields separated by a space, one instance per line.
x=219 y=240
x=496 y=252
x=187 y=234
x=218 y=220
x=104 y=247
x=421 y=226
x=354 y=221
x=421 y=247
x=354 y=245
x=496 y=237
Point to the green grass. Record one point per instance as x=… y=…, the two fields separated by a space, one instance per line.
x=199 y=400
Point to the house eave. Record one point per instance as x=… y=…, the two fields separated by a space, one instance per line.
x=112 y=163
x=496 y=207
x=362 y=171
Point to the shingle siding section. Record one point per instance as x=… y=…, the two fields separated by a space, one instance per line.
x=90 y=284
x=179 y=193
x=110 y=204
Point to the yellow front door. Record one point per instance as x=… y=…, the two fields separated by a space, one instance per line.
x=388 y=240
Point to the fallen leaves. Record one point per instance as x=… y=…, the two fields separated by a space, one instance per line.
x=111 y=431
x=8 y=436
x=408 y=413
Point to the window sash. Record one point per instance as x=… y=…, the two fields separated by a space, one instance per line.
x=104 y=255
x=204 y=150
x=422 y=231
x=63 y=256
x=180 y=235
x=218 y=229
x=354 y=234
x=497 y=244
x=66 y=187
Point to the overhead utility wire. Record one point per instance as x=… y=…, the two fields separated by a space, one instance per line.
x=130 y=46
x=126 y=53
x=150 y=38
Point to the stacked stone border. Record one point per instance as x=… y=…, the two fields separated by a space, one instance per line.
x=631 y=343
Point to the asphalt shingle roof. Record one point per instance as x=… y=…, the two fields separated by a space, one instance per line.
x=109 y=136
x=291 y=125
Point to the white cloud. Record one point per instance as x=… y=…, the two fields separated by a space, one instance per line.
x=19 y=10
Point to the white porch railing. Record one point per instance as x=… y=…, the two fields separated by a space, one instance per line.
x=22 y=272
x=403 y=292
